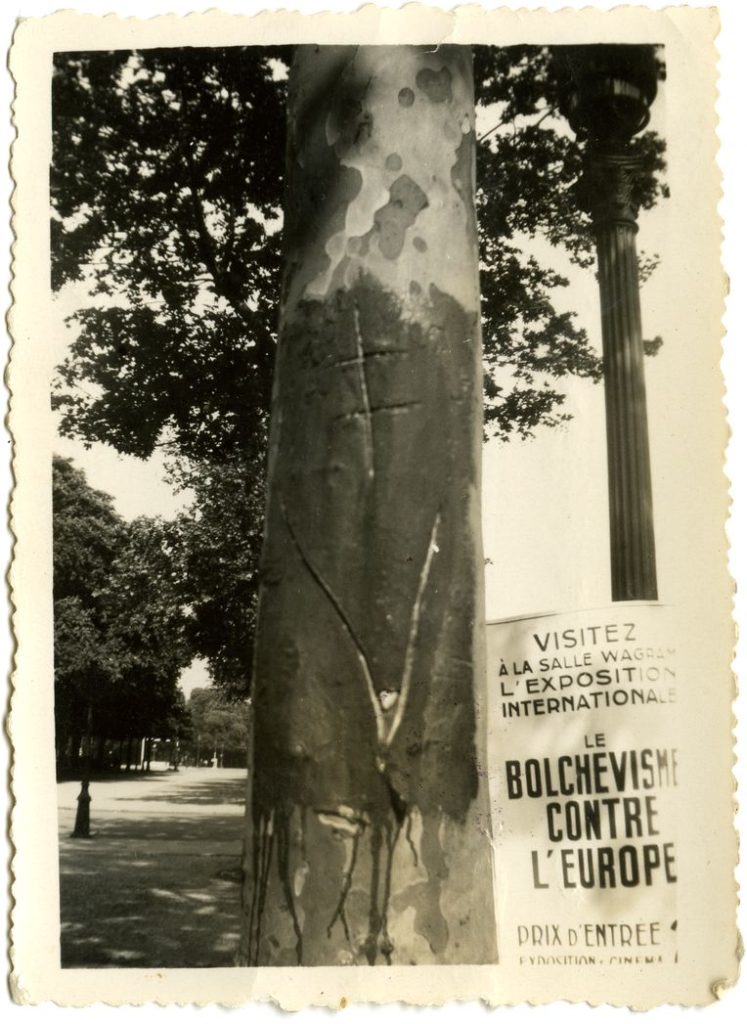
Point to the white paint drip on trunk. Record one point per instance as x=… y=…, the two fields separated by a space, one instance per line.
x=412 y=638
x=367 y=421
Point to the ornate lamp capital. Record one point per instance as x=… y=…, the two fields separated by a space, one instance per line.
x=609 y=188
x=606 y=91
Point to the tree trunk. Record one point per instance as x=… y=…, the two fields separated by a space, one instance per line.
x=75 y=745
x=62 y=748
x=368 y=834
x=89 y=743
x=99 y=750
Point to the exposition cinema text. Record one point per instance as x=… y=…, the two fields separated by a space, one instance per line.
x=602 y=796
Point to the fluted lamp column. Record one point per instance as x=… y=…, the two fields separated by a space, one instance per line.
x=608 y=92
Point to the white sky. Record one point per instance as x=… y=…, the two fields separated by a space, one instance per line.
x=545 y=527
x=551 y=492
x=194 y=676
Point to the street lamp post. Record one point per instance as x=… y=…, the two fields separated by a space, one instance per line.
x=607 y=91
x=82 y=827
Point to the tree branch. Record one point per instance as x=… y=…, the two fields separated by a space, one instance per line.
x=503 y=120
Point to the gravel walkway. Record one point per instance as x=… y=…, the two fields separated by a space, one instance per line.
x=157 y=884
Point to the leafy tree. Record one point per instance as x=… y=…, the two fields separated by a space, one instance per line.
x=146 y=624
x=164 y=182
x=216 y=542
x=87 y=533
x=216 y=725
x=119 y=630
x=166 y=193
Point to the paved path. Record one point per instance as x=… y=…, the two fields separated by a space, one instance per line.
x=157 y=884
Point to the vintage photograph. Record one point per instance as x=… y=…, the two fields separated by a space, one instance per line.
x=369 y=641
x=344 y=226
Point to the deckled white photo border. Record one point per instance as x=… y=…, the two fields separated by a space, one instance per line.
x=688 y=36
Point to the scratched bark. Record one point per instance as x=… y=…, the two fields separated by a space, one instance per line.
x=369 y=836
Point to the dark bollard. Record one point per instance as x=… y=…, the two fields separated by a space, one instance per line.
x=82 y=828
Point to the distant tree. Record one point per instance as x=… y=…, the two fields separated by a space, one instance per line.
x=217 y=725
x=119 y=630
x=87 y=534
x=145 y=622
x=217 y=541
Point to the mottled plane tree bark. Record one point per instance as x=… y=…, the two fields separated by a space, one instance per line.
x=368 y=833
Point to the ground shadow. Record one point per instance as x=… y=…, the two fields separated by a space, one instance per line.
x=217 y=791
x=112 y=775
x=154 y=888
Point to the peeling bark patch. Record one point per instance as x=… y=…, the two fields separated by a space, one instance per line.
x=426 y=896
x=406 y=200
x=284 y=874
x=318 y=207
x=263 y=838
x=435 y=84
x=393 y=162
x=349 y=123
x=420 y=244
x=358 y=246
x=347 y=882
x=461 y=172
x=406 y=97
x=288 y=658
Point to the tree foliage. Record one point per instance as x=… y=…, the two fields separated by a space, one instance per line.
x=166 y=173
x=528 y=175
x=166 y=189
x=216 y=725
x=119 y=630
x=217 y=541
